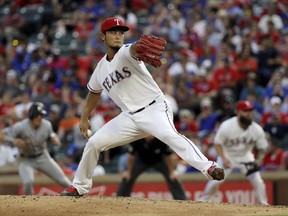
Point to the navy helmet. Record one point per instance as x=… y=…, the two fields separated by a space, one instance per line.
x=36 y=109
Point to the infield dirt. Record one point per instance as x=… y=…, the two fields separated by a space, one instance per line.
x=99 y=205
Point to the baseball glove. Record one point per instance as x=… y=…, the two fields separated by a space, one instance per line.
x=149 y=49
x=251 y=167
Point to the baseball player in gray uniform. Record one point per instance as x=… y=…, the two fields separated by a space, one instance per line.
x=234 y=142
x=122 y=74
x=31 y=136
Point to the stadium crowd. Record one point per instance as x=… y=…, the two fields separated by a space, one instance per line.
x=218 y=52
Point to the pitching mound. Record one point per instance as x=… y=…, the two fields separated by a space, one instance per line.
x=95 y=205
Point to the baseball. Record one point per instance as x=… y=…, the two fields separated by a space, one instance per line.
x=163 y=61
x=89 y=133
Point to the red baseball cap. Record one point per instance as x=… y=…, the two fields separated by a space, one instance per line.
x=113 y=22
x=244 y=105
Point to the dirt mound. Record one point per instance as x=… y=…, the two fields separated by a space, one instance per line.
x=97 y=205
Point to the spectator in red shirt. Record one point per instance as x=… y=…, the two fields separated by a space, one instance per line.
x=83 y=26
x=204 y=86
x=275 y=109
x=141 y=5
x=225 y=75
x=275 y=157
x=187 y=124
x=273 y=32
x=7 y=104
x=79 y=64
x=205 y=51
x=245 y=64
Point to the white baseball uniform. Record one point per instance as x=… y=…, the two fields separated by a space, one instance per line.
x=145 y=110
x=238 y=145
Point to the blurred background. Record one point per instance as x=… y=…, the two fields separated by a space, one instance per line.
x=219 y=51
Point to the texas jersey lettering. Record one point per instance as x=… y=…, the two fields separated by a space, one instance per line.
x=115 y=77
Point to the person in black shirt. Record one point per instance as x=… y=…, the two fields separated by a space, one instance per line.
x=147 y=153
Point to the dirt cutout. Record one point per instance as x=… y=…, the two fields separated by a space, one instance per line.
x=100 y=205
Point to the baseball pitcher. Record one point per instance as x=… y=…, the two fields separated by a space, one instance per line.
x=122 y=74
x=234 y=142
x=31 y=136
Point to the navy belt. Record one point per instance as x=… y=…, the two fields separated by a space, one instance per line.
x=141 y=109
x=31 y=156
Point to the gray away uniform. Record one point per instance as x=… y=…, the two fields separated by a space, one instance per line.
x=35 y=154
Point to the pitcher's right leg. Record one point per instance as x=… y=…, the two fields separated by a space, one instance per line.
x=118 y=131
